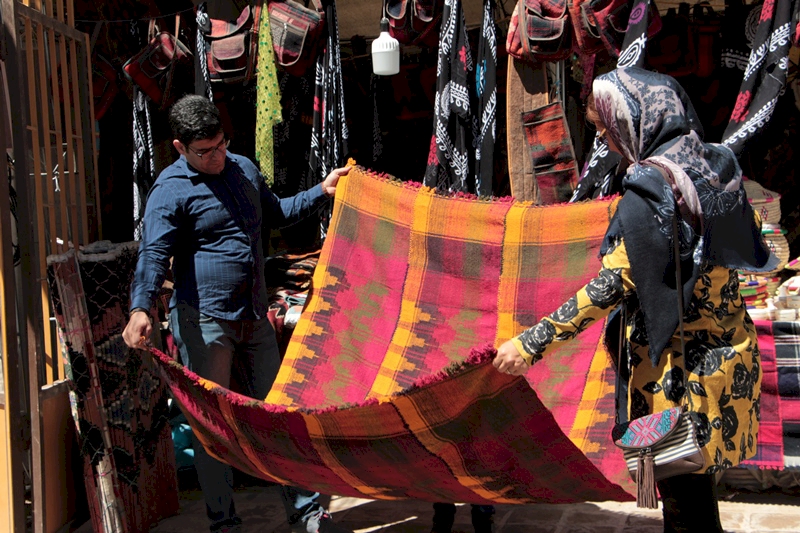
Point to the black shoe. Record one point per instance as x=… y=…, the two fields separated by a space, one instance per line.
x=444 y=514
x=483 y=518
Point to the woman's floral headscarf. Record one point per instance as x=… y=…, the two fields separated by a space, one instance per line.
x=653 y=123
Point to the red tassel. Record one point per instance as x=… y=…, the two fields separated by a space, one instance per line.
x=645 y=482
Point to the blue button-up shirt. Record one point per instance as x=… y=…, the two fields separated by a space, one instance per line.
x=212 y=227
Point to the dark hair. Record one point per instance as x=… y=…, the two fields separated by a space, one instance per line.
x=194 y=118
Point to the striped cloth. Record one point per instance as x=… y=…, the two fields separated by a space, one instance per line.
x=386 y=389
x=779 y=434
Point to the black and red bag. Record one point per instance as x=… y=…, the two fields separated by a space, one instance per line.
x=159 y=65
x=415 y=22
x=104 y=85
x=297 y=32
x=609 y=19
x=232 y=46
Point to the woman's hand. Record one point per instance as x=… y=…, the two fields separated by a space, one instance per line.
x=330 y=182
x=509 y=361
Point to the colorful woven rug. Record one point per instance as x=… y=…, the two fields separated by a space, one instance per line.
x=387 y=390
x=779 y=442
x=118 y=399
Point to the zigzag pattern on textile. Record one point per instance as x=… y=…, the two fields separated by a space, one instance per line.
x=387 y=390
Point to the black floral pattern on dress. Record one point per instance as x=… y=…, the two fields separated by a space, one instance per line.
x=606 y=289
x=701 y=358
x=742 y=386
x=728 y=294
x=639 y=405
x=673 y=384
x=566 y=312
x=720 y=463
x=639 y=330
x=703 y=427
x=730 y=424
x=536 y=339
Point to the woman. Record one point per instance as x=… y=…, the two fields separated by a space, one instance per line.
x=648 y=119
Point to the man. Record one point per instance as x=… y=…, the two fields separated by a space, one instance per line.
x=210 y=211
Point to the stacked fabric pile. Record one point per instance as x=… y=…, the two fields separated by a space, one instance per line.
x=757 y=290
x=288 y=276
x=754 y=291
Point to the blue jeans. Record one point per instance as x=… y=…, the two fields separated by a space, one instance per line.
x=213 y=348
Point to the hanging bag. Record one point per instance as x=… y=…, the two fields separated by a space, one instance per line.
x=664 y=444
x=296 y=34
x=414 y=22
x=232 y=46
x=544 y=29
x=158 y=65
x=610 y=19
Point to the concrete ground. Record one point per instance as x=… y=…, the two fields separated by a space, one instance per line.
x=262 y=512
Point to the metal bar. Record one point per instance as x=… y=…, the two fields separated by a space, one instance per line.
x=83 y=235
x=68 y=188
x=59 y=138
x=45 y=190
x=63 y=208
x=44 y=194
x=31 y=250
x=14 y=399
x=58 y=26
x=97 y=229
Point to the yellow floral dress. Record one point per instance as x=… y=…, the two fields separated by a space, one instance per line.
x=722 y=359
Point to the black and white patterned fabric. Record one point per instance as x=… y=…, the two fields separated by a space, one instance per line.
x=329 y=132
x=449 y=166
x=765 y=75
x=600 y=177
x=486 y=109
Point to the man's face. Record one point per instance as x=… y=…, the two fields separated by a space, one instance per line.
x=207 y=156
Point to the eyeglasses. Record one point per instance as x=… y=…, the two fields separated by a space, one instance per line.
x=602 y=133
x=221 y=147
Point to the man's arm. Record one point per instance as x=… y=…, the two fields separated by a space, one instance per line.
x=282 y=212
x=158 y=239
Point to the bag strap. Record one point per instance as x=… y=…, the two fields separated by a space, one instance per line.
x=173 y=60
x=318 y=5
x=252 y=54
x=622 y=323
x=522 y=29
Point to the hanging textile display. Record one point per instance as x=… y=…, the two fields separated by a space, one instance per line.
x=118 y=398
x=449 y=164
x=764 y=77
x=268 y=102
x=387 y=389
x=486 y=92
x=329 y=132
x=144 y=165
x=597 y=180
x=550 y=146
x=202 y=80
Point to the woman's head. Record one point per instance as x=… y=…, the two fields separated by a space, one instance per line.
x=649 y=118
x=643 y=110
x=602 y=131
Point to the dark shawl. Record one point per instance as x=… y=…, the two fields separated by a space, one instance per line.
x=650 y=118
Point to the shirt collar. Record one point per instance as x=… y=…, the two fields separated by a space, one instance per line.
x=190 y=172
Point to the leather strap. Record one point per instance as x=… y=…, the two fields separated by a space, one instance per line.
x=679 y=287
x=522 y=28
